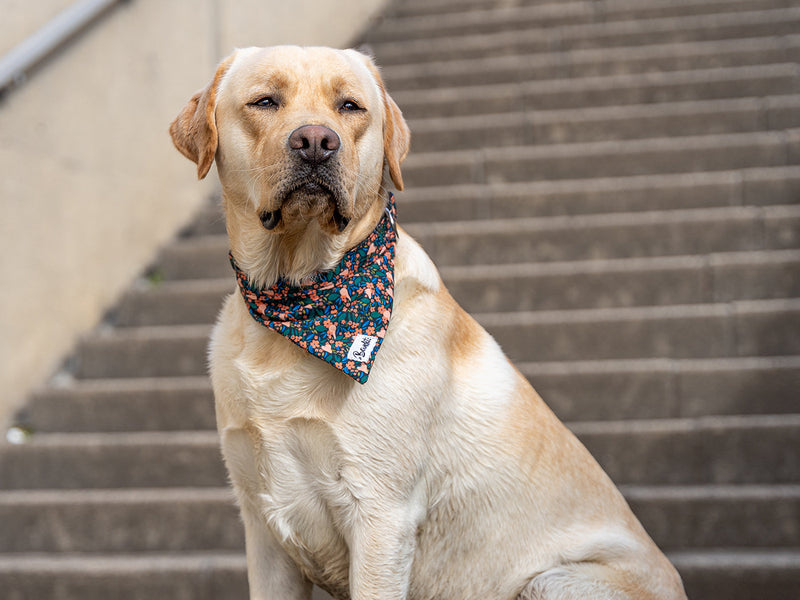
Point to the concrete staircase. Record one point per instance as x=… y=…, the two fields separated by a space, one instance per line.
x=612 y=187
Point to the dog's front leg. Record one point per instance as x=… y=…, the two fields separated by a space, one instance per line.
x=271 y=573
x=381 y=552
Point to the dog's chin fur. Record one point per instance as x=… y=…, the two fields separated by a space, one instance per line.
x=307 y=202
x=305 y=243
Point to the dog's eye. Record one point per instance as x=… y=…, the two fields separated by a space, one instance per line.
x=350 y=106
x=265 y=102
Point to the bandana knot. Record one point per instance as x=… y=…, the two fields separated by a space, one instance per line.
x=341 y=315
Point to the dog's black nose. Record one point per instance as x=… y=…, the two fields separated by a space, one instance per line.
x=314 y=143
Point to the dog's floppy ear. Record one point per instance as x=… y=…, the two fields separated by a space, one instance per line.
x=396 y=139
x=194 y=130
x=396 y=135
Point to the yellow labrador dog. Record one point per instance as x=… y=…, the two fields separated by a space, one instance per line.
x=432 y=472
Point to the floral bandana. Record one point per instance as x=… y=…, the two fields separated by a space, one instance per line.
x=341 y=317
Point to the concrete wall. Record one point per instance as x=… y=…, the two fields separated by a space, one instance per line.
x=90 y=184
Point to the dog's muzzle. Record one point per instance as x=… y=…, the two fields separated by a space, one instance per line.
x=312 y=149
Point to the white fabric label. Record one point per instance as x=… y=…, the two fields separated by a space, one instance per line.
x=362 y=347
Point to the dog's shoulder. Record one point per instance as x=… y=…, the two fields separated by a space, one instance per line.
x=413 y=266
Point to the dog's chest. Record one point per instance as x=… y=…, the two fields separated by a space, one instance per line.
x=299 y=476
x=305 y=496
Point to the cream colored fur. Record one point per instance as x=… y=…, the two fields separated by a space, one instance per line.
x=445 y=476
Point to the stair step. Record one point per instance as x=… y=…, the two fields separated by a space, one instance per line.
x=751 y=449
x=206 y=519
x=575 y=390
x=181 y=302
x=626 y=282
x=702 y=451
x=551 y=14
x=409 y=8
x=604 y=159
x=747 y=187
x=139 y=404
x=422 y=8
x=196 y=576
x=593 y=62
x=210 y=220
x=738 y=329
x=708 y=516
x=532 y=286
x=598 y=91
x=643 y=234
x=735 y=574
x=666 y=388
x=113 y=460
x=165 y=351
x=739 y=574
x=569 y=126
x=752 y=328
x=559 y=238
x=617 y=30
x=105 y=521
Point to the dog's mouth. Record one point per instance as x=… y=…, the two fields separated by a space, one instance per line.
x=304 y=200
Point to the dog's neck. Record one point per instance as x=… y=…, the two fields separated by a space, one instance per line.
x=296 y=254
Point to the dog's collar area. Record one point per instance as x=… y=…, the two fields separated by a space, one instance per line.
x=341 y=317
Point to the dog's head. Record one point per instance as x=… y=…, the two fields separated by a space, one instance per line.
x=302 y=138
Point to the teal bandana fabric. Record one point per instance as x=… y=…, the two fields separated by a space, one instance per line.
x=342 y=315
